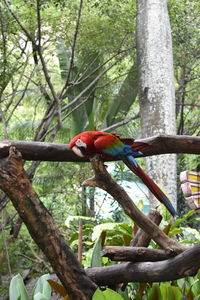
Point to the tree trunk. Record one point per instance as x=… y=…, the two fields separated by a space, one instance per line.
x=157 y=94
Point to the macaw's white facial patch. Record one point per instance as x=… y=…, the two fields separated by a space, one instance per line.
x=79 y=143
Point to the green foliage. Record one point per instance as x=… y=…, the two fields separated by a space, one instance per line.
x=106 y=37
x=96 y=260
x=17 y=289
x=41 y=291
x=184 y=288
x=108 y=294
x=185 y=231
x=125 y=96
x=96 y=235
x=185 y=20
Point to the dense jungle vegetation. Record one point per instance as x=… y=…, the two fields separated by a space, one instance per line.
x=71 y=66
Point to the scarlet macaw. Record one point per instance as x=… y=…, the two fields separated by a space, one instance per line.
x=111 y=145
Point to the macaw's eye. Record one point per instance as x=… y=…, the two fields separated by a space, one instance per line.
x=81 y=145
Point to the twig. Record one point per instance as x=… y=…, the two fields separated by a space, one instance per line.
x=38 y=48
x=121 y=123
x=73 y=48
x=89 y=86
x=80 y=240
x=81 y=80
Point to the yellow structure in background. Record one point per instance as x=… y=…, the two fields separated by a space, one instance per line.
x=190 y=184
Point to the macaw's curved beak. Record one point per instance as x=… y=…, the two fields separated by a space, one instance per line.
x=77 y=151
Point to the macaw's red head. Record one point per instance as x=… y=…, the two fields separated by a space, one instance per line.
x=82 y=144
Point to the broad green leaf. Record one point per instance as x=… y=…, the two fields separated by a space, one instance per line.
x=112 y=295
x=97 y=230
x=175 y=293
x=196 y=288
x=170 y=292
x=124 y=295
x=192 y=280
x=175 y=231
x=180 y=220
x=125 y=228
x=98 y=295
x=198 y=275
x=42 y=287
x=17 y=289
x=40 y=296
x=96 y=260
x=181 y=283
x=155 y=293
x=164 y=290
x=75 y=242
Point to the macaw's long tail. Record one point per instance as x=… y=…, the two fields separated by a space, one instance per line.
x=158 y=193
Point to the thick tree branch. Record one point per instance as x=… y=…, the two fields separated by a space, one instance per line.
x=103 y=180
x=184 y=264
x=15 y=183
x=59 y=152
x=142 y=239
x=163 y=144
x=135 y=254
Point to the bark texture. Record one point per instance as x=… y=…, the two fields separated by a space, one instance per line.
x=142 y=239
x=135 y=254
x=15 y=183
x=157 y=93
x=184 y=264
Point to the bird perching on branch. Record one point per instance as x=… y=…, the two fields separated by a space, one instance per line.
x=110 y=146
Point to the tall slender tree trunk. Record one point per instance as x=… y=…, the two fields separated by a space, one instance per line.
x=157 y=92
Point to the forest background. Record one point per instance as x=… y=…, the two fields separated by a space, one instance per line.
x=86 y=51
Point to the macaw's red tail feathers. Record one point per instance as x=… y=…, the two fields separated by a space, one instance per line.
x=153 y=187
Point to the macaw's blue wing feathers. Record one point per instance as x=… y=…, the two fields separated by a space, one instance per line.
x=158 y=193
